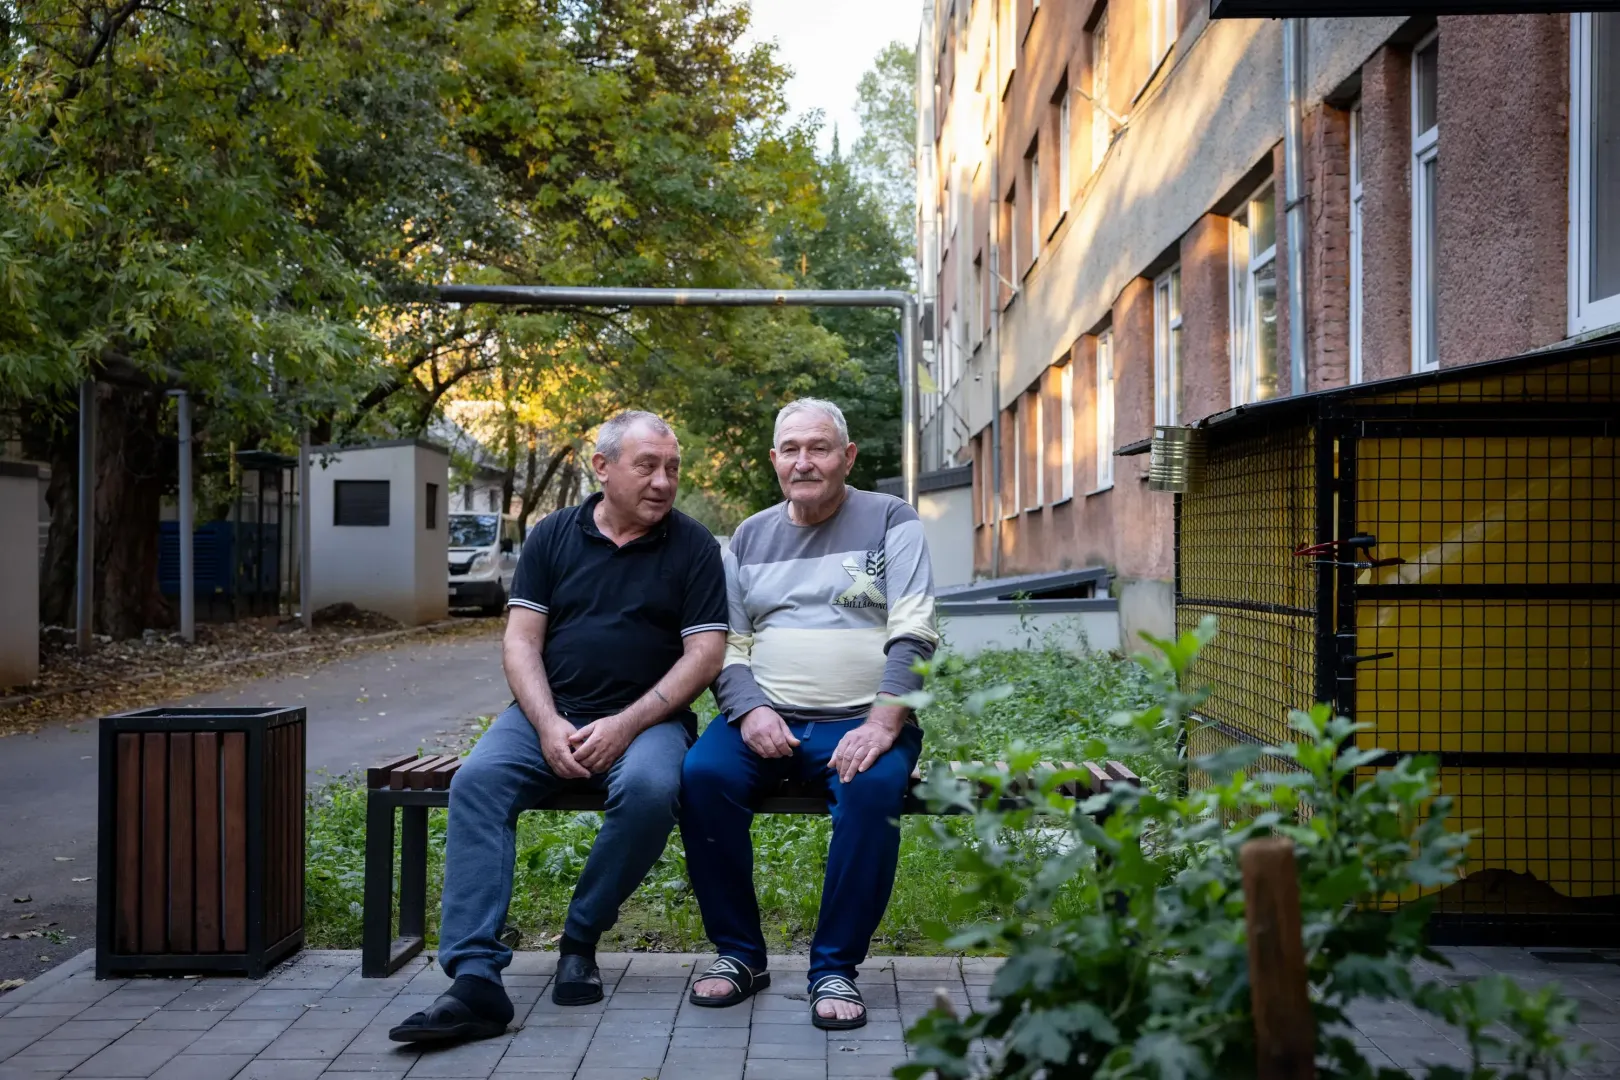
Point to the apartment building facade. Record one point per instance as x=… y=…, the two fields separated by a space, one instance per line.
x=1102 y=236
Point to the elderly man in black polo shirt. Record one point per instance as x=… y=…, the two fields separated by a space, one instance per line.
x=617 y=621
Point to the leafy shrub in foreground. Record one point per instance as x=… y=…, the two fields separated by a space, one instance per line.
x=1144 y=973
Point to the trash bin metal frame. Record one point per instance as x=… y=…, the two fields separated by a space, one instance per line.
x=200 y=852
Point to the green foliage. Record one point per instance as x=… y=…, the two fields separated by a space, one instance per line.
x=1126 y=951
x=886 y=151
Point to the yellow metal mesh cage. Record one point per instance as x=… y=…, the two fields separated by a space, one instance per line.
x=1236 y=535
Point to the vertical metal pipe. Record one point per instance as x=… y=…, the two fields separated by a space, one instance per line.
x=306 y=606
x=910 y=407
x=1294 y=167
x=85 y=599
x=994 y=305
x=188 y=583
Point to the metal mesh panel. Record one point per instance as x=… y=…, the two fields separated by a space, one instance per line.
x=1237 y=534
x=1238 y=531
x=1488 y=676
x=1595 y=379
x=1489 y=511
x=1543 y=841
x=1502 y=623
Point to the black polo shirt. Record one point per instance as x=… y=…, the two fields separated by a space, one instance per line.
x=615 y=616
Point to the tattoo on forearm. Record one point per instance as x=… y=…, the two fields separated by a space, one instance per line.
x=661 y=696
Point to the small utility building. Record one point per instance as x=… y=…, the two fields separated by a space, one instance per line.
x=1435 y=555
x=378 y=538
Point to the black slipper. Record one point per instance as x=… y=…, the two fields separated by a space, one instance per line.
x=447 y=1020
x=734 y=971
x=578 y=982
x=835 y=988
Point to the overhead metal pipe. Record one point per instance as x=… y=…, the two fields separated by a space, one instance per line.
x=85 y=598
x=1293 y=31
x=568 y=296
x=188 y=583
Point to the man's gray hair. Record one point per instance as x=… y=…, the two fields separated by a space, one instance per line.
x=817 y=405
x=610 y=436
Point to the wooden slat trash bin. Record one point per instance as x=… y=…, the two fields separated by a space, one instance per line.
x=200 y=848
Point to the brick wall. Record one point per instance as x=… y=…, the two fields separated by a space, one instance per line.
x=1503 y=185
x=1206 y=369
x=1386 y=208
x=1327 y=247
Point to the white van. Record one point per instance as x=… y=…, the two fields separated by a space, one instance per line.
x=483 y=558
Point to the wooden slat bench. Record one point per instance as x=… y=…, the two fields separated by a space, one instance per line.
x=414 y=785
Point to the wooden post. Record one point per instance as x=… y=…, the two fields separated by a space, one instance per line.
x=1284 y=1030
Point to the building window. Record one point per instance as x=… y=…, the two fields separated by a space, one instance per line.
x=1034 y=160
x=1254 y=298
x=1594 y=172
x=1063 y=147
x=1010 y=499
x=1102 y=131
x=1356 y=374
x=494 y=498
x=1425 y=172
x=1163 y=29
x=1167 y=347
x=433 y=506
x=360 y=502
x=1011 y=232
x=1066 y=420
x=982 y=326
x=1037 y=455
x=1105 y=410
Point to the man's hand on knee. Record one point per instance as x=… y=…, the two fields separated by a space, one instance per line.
x=859 y=749
x=766 y=733
x=554 y=746
x=600 y=743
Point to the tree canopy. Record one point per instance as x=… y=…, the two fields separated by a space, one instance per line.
x=247 y=201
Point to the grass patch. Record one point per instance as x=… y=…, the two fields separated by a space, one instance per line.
x=1056 y=700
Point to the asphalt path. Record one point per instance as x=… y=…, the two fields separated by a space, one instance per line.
x=407 y=693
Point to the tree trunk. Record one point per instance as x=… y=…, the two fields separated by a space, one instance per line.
x=132 y=472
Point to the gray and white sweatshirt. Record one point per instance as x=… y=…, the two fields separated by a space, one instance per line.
x=824 y=618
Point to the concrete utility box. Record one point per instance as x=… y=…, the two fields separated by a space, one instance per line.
x=378 y=537
x=19 y=573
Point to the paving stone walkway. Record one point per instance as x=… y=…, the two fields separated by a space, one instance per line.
x=315 y=1017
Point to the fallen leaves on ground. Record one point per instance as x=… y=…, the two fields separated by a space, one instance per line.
x=121 y=675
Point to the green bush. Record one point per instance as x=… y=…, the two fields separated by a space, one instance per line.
x=1133 y=962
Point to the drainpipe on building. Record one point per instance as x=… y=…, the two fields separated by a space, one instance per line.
x=1294 y=167
x=995 y=297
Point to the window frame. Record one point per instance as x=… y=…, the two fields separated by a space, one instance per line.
x=1009 y=507
x=1035 y=238
x=1102 y=134
x=345 y=491
x=1356 y=372
x=1065 y=131
x=1585 y=314
x=1066 y=426
x=1244 y=302
x=1038 y=457
x=1425 y=231
x=1167 y=325
x=1162 y=30
x=1104 y=412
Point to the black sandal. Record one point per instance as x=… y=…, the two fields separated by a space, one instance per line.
x=835 y=988
x=447 y=1020
x=733 y=971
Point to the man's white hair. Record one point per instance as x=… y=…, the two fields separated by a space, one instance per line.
x=610 y=436
x=816 y=405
